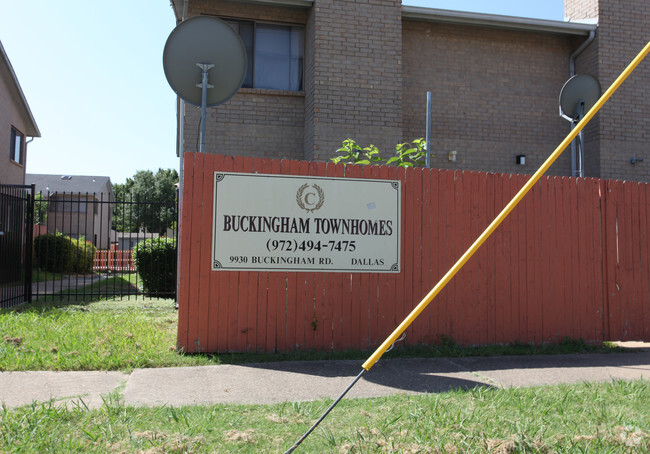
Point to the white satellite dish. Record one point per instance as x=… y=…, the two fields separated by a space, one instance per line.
x=205 y=63
x=577 y=97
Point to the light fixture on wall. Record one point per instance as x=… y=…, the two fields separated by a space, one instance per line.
x=521 y=159
x=452 y=155
x=634 y=160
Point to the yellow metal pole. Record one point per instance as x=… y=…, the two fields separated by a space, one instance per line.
x=506 y=211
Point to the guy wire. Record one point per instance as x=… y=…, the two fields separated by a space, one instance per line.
x=331 y=407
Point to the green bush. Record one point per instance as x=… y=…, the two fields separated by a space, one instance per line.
x=54 y=253
x=155 y=260
x=58 y=253
x=84 y=255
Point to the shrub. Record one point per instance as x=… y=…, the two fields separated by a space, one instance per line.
x=155 y=260
x=54 y=253
x=58 y=253
x=84 y=255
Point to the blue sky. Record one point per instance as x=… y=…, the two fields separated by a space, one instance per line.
x=92 y=75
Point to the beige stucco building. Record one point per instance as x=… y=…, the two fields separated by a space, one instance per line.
x=79 y=206
x=321 y=71
x=16 y=125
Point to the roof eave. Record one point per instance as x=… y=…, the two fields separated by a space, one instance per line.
x=177 y=5
x=8 y=72
x=496 y=21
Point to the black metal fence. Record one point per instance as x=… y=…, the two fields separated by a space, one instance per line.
x=85 y=247
x=16 y=208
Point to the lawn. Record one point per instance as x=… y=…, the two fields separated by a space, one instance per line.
x=100 y=334
x=586 y=418
x=94 y=333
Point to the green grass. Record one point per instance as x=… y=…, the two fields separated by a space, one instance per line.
x=39 y=275
x=586 y=418
x=93 y=333
x=122 y=334
x=123 y=284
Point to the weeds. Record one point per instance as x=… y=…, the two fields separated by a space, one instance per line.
x=605 y=417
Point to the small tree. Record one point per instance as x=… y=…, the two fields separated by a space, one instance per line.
x=406 y=154
x=41 y=207
x=145 y=186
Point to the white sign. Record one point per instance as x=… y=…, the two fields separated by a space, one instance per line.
x=299 y=223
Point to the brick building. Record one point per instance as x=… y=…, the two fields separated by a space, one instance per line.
x=16 y=124
x=321 y=71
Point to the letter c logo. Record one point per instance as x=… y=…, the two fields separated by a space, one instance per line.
x=310 y=200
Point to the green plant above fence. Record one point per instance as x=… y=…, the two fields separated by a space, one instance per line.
x=406 y=154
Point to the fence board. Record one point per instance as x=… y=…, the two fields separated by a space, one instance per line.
x=357 y=322
x=638 y=265
x=205 y=295
x=625 y=278
x=246 y=316
x=645 y=254
x=571 y=260
x=264 y=308
x=425 y=240
x=445 y=258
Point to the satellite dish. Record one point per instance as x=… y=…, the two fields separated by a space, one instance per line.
x=207 y=41
x=580 y=88
x=578 y=95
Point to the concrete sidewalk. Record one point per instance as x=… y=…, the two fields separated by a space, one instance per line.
x=264 y=383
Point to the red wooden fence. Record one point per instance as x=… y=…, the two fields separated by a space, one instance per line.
x=571 y=260
x=113 y=260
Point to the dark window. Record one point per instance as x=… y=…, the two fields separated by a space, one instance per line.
x=70 y=204
x=17 y=146
x=275 y=55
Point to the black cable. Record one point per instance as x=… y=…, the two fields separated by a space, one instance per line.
x=331 y=407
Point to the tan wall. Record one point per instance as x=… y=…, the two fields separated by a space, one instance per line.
x=10 y=172
x=495 y=91
x=351 y=90
x=580 y=9
x=355 y=64
x=254 y=122
x=94 y=226
x=624 y=122
x=494 y=95
x=624 y=28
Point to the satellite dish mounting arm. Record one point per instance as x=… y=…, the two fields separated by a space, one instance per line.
x=204 y=85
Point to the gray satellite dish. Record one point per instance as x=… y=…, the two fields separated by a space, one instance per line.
x=205 y=63
x=578 y=96
x=581 y=88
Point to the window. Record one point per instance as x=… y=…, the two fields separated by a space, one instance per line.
x=17 y=146
x=275 y=55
